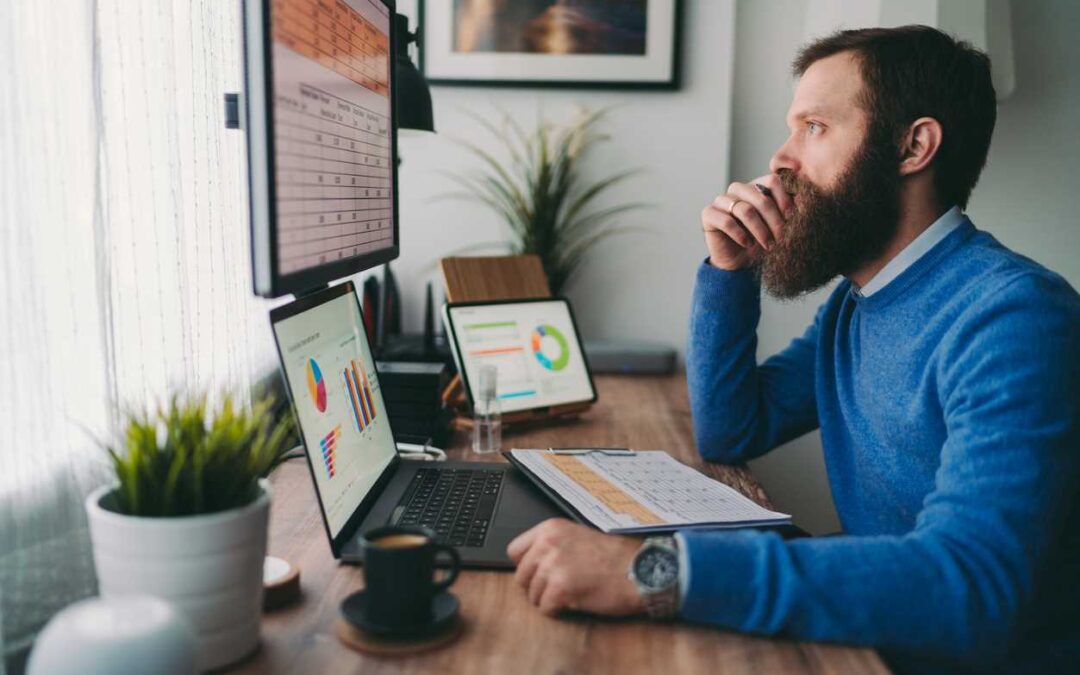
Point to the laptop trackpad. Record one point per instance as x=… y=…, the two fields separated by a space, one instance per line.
x=524 y=505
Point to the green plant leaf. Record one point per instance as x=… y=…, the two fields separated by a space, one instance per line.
x=590 y=192
x=572 y=231
x=574 y=256
x=475 y=193
x=507 y=183
x=186 y=460
x=541 y=194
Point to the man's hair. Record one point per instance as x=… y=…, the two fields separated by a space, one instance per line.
x=917 y=71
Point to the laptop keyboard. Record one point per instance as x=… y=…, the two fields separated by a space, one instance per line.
x=456 y=503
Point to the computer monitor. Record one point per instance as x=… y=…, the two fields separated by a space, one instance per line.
x=322 y=140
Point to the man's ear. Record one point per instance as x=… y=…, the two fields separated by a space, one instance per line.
x=919 y=145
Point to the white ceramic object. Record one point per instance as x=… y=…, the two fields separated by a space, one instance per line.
x=210 y=568
x=129 y=635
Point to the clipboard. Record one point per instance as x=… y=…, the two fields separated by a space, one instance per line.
x=555 y=498
x=782 y=527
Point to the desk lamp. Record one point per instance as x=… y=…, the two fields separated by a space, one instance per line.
x=413 y=96
x=414 y=116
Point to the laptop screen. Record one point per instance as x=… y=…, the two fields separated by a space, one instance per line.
x=337 y=399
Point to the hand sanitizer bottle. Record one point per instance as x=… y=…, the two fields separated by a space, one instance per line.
x=487 y=415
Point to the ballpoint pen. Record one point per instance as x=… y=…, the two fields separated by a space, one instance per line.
x=589 y=451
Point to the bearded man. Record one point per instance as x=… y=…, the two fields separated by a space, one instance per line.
x=943 y=372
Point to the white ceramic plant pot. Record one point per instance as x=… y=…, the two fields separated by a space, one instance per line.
x=210 y=568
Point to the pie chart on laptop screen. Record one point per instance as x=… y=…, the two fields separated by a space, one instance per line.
x=316 y=385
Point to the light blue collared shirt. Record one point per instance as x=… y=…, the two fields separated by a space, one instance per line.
x=940 y=229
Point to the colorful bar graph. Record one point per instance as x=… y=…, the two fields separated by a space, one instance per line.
x=353 y=400
x=328 y=444
x=518 y=394
x=367 y=392
x=495 y=352
x=360 y=395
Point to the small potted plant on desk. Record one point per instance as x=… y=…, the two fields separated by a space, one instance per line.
x=186 y=519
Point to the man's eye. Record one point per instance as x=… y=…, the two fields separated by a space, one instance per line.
x=813 y=128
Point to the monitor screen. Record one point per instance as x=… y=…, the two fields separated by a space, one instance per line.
x=337 y=399
x=533 y=345
x=321 y=140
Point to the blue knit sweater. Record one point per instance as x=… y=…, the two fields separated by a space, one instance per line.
x=949 y=408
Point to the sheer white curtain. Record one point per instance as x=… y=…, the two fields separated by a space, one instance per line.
x=124 y=263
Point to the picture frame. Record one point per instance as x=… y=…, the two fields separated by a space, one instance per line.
x=631 y=44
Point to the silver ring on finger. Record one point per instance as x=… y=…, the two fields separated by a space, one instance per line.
x=731 y=208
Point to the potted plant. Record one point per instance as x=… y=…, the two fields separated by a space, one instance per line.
x=542 y=193
x=186 y=519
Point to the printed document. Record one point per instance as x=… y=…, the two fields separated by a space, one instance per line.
x=643 y=491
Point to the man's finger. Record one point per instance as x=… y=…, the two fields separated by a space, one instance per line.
x=527 y=566
x=717 y=221
x=763 y=206
x=743 y=210
x=517 y=548
x=733 y=229
x=783 y=200
x=553 y=600
x=747 y=214
x=536 y=587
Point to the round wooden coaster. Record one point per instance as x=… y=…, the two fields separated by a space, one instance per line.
x=376 y=645
x=281 y=583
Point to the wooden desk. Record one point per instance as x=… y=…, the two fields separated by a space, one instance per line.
x=504 y=633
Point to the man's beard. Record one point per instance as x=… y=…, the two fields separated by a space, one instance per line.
x=836 y=231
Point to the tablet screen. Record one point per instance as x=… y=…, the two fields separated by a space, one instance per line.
x=533 y=344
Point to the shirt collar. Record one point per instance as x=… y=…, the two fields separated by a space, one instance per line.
x=919 y=247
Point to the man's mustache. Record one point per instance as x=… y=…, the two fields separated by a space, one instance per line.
x=792 y=184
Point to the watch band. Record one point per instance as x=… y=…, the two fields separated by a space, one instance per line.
x=662 y=605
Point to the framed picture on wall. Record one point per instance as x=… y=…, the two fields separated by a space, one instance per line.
x=625 y=44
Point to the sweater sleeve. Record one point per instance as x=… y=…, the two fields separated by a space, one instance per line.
x=742 y=410
x=957 y=585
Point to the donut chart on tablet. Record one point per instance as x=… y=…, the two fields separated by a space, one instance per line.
x=551 y=361
x=532 y=344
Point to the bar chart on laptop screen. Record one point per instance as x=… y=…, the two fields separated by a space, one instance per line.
x=332 y=131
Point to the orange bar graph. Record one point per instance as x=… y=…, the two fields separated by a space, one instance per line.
x=367 y=393
x=354 y=400
x=360 y=394
x=492 y=352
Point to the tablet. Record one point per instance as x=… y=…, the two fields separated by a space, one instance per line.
x=534 y=344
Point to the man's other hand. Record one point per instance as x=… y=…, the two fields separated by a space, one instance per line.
x=744 y=221
x=566 y=566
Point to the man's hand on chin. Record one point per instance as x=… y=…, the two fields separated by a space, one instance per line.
x=566 y=566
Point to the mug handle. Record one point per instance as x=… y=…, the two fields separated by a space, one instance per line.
x=452 y=571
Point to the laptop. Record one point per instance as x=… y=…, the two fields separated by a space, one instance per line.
x=360 y=481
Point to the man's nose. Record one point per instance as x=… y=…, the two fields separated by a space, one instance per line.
x=784 y=158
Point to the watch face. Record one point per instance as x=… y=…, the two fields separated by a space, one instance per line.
x=656 y=568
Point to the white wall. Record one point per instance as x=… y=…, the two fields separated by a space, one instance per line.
x=635 y=285
x=1028 y=196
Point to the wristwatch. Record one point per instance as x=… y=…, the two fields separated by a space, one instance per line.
x=655 y=572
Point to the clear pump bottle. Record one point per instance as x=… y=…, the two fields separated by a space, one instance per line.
x=487 y=413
